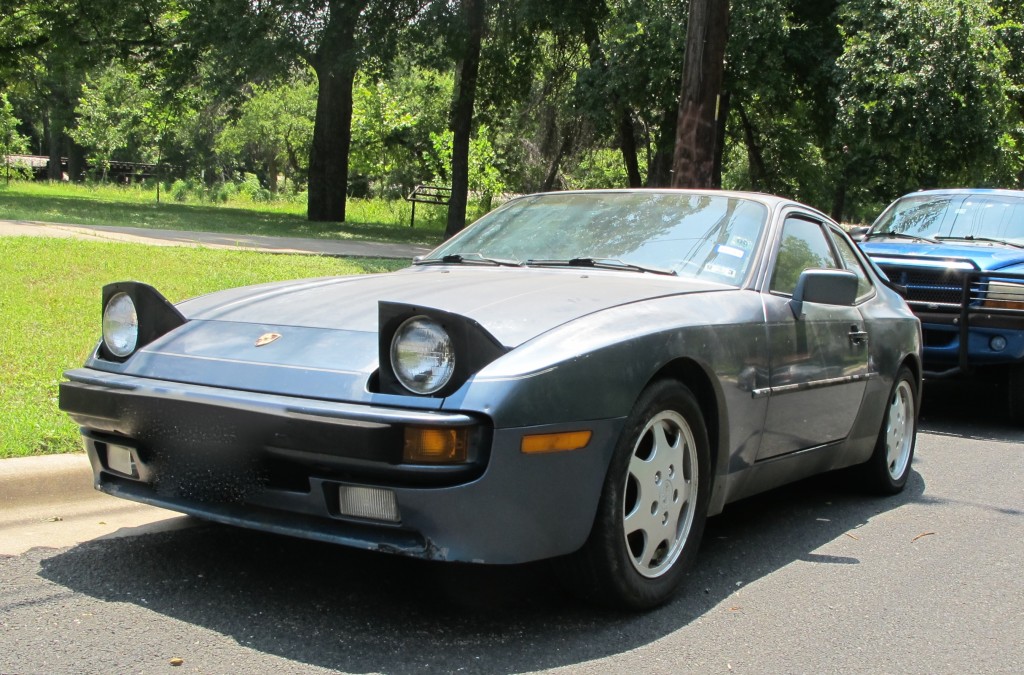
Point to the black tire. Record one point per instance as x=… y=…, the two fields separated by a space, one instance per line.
x=887 y=471
x=1015 y=393
x=658 y=483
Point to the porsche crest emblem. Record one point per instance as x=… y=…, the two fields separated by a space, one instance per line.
x=266 y=339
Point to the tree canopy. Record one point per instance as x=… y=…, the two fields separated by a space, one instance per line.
x=844 y=105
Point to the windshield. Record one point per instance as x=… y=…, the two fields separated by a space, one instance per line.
x=712 y=237
x=959 y=216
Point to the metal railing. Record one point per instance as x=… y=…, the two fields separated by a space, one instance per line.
x=428 y=194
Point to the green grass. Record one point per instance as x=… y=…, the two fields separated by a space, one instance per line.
x=50 y=308
x=136 y=206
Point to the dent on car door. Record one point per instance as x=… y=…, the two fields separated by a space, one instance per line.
x=819 y=354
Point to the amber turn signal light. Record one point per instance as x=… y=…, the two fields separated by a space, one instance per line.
x=432 y=445
x=561 y=442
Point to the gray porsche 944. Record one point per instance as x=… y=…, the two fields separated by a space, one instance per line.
x=578 y=376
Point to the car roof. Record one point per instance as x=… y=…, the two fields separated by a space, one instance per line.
x=770 y=201
x=966 y=191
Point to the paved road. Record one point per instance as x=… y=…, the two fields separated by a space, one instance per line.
x=139 y=235
x=810 y=578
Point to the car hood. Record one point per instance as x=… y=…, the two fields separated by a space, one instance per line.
x=987 y=256
x=317 y=338
x=514 y=305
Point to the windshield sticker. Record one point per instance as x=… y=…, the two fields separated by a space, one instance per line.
x=722 y=249
x=719 y=269
x=741 y=242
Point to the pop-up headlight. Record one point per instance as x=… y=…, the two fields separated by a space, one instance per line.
x=429 y=352
x=134 y=315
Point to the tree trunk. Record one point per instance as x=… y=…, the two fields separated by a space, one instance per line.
x=335 y=65
x=54 y=135
x=659 y=170
x=627 y=142
x=462 y=113
x=563 y=150
x=755 y=160
x=839 y=198
x=76 y=162
x=696 y=147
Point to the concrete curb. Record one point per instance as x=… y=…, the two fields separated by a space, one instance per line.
x=45 y=479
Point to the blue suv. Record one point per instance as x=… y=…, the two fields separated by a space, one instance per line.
x=959 y=255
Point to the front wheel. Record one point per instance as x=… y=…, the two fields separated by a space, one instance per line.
x=653 y=504
x=887 y=470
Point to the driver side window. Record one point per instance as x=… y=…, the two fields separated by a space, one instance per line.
x=804 y=246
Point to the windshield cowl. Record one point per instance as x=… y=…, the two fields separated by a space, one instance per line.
x=599 y=263
x=981 y=240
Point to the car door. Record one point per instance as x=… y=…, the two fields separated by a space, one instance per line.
x=818 y=355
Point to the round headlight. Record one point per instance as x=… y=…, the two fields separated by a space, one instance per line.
x=422 y=355
x=120 y=325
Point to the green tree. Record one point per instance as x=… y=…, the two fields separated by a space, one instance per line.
x=393 y=120
x=52 y=44
x=111 y=115
x=273 y=132
x=333 y=37
x=922 y=96
x=483 y=176
x=781 y=59
x=11 y=142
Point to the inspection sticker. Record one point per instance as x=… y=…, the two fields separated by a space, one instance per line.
x=722 y=249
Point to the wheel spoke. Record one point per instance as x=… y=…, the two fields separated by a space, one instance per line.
x=641 y=520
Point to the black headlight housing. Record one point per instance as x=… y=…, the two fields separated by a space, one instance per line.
x=471 y=346
x=156 y=315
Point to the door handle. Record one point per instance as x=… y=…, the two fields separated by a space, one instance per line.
x=858 y=336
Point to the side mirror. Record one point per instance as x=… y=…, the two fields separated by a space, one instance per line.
x=825 y=287
x=858 y=233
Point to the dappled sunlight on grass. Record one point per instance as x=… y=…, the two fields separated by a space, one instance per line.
x=50 y=302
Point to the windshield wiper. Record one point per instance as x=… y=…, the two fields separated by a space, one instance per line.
x=600 y=263
x=469 y=258
x=971 y=237
x=899 y=235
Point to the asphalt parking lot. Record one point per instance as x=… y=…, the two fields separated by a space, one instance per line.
x=814 y=577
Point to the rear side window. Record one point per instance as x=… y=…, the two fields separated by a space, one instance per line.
x=853 y=263
x=804 y=246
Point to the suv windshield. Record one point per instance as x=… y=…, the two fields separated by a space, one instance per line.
x=712 y=237
x=980 y=217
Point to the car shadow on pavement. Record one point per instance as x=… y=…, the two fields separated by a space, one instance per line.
x=970 y=408
x=355 y=611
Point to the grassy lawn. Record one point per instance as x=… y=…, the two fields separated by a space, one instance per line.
x=50 y=306
x=133 y=206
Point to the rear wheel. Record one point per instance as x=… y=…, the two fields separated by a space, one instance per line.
x=887 y=470
x=653 y=504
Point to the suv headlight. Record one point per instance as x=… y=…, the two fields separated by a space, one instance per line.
x=120 y=325
x=1004 y=295
x=422 y=355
